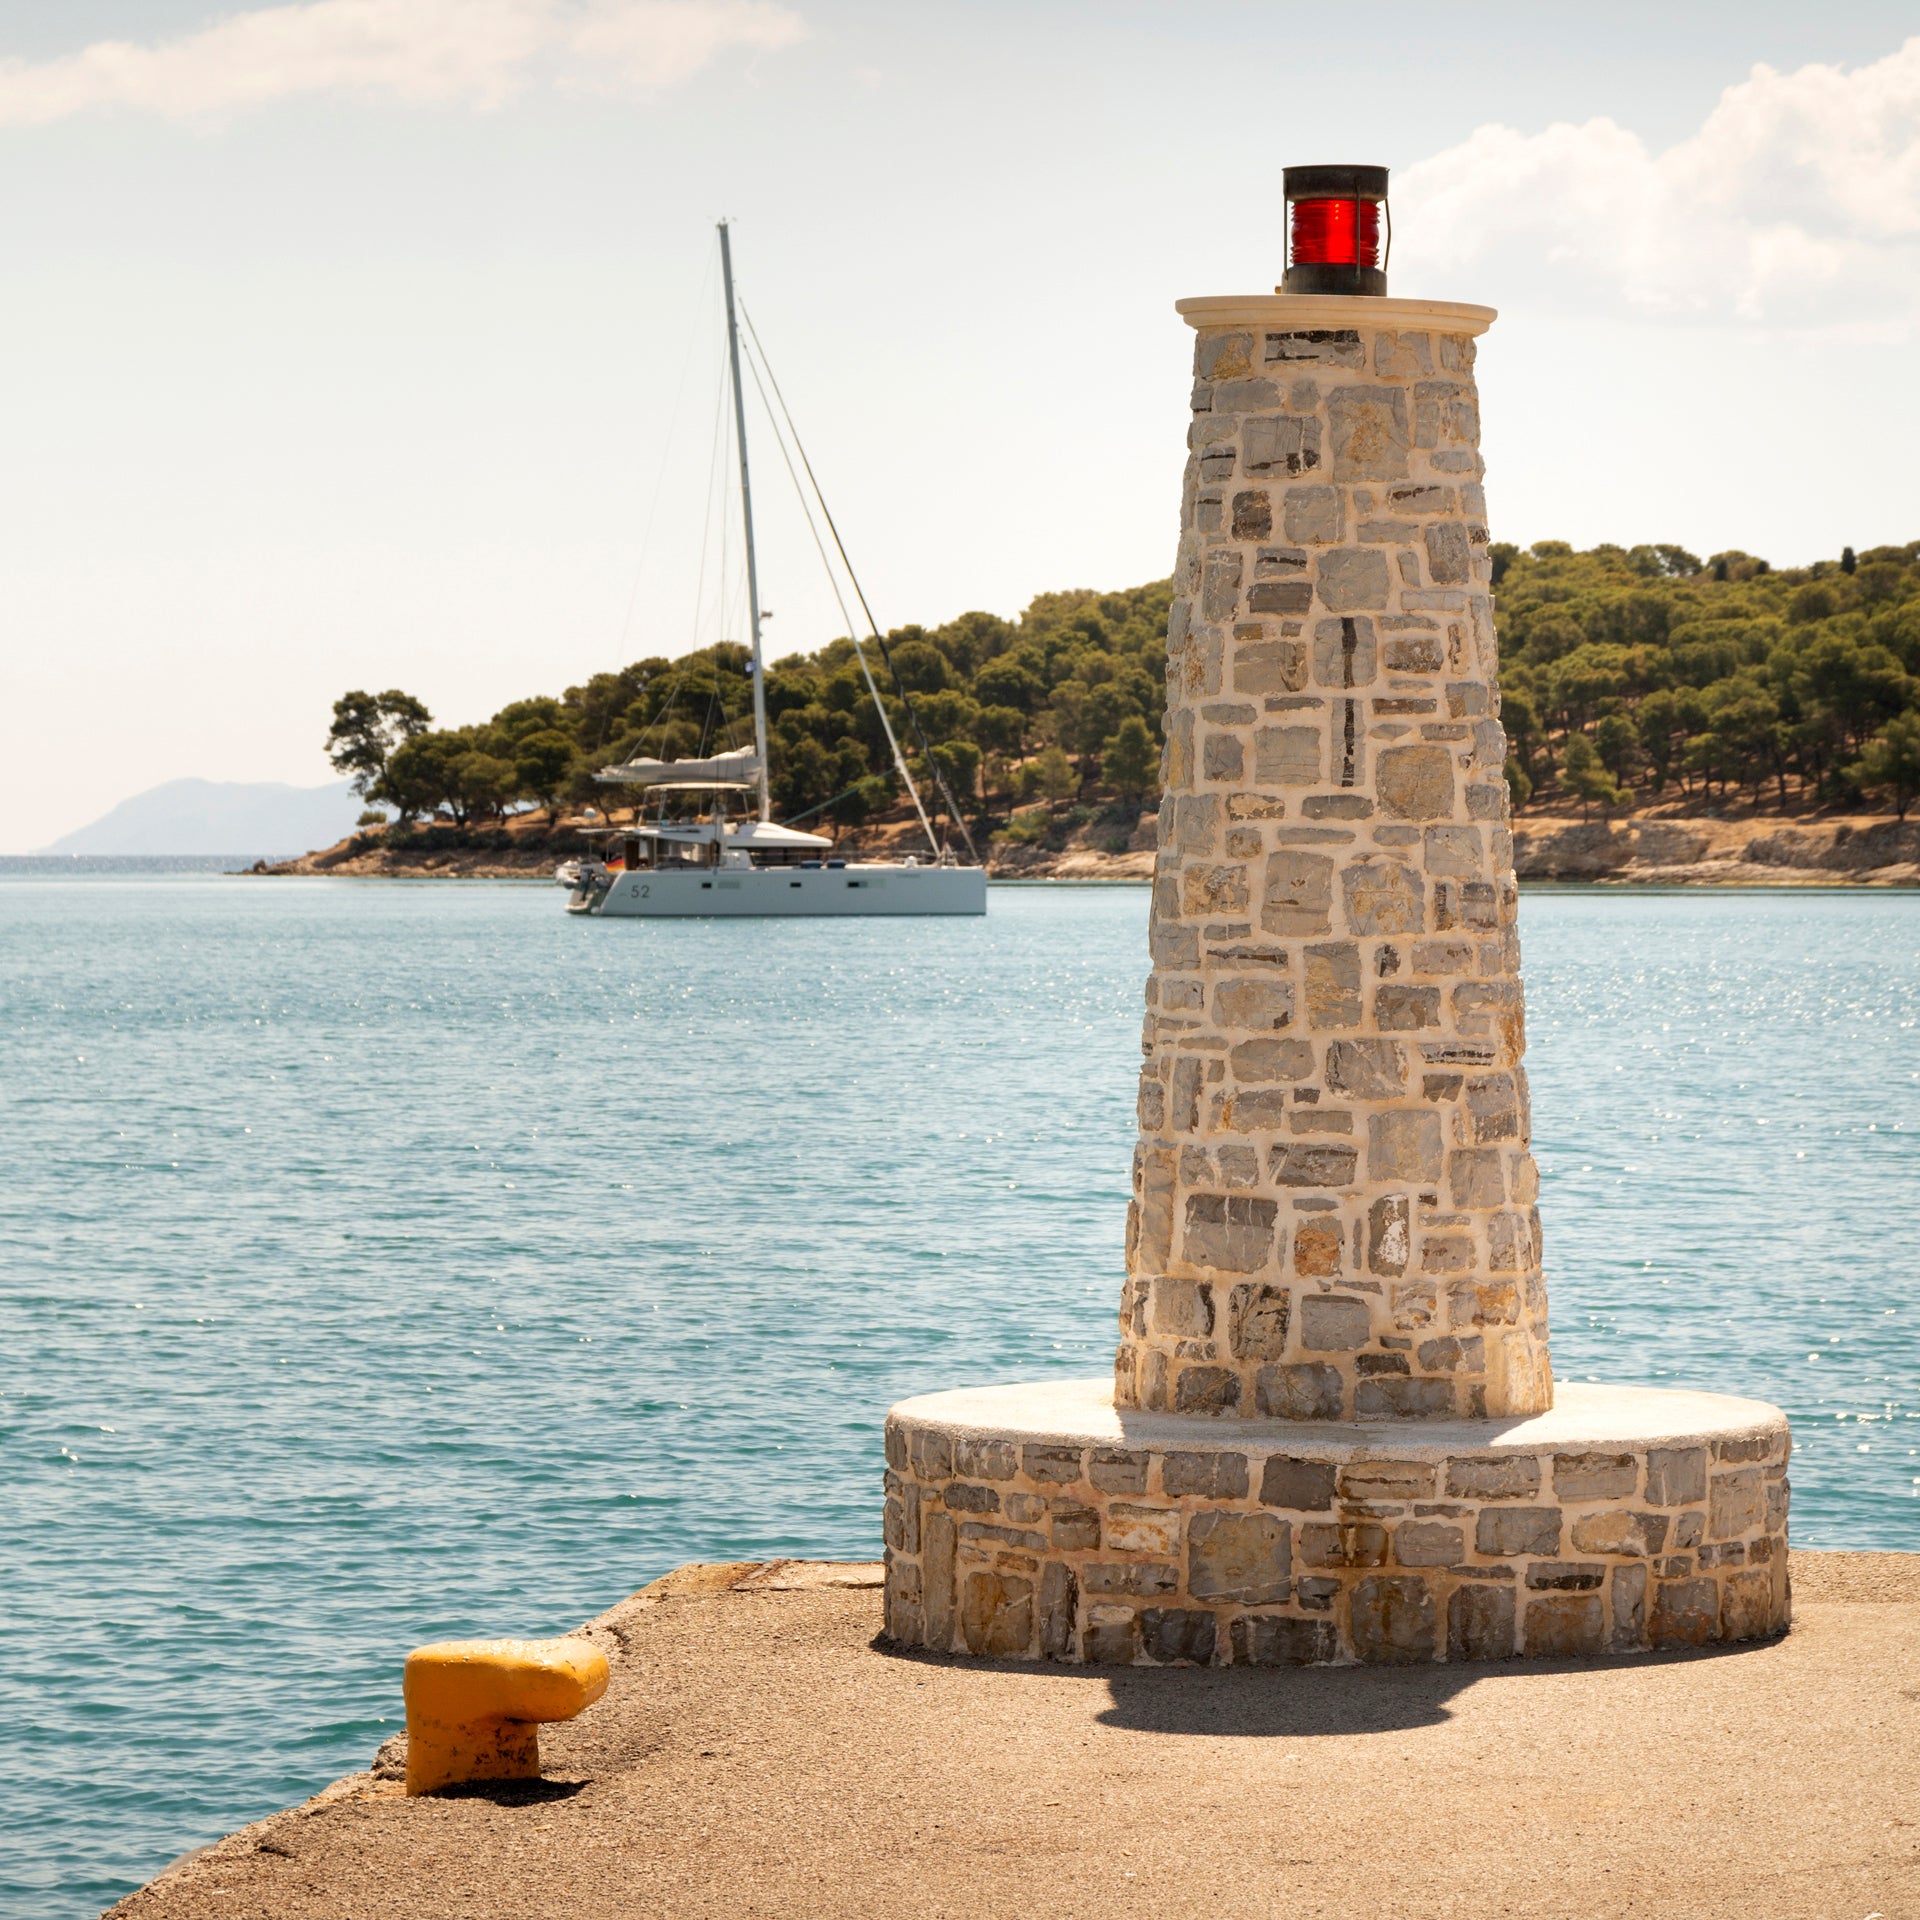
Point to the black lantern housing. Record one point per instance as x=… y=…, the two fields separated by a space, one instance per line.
x=1338 y=230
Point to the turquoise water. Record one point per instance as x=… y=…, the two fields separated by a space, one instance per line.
x=387 y=1261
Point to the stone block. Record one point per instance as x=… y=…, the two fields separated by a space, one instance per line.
x=1222 y=757
x=932 y=1455
x=1619 y=1531
x=1383 y=1480
x=1746 y=1605
x=1052 y=1466
x=1415 y=653
x=1493 y=1107
x=1287 y=756
x=984 y=1460
x=1331 y=1324
x=964 y=1497
x=1413 y=1305
x=1233 y=1233
x=1304 y=1390
x=1244 y=1557
x=1112 y=1637
x=1314 y=516
x=1263 y=666
x=1220 y=584
x=1343 y=1543
x=1403 y=354
x=1264 y=1060
x=1279 y=596
x=1301 y=1486
x=1502 y=1532
x=1297 y=894
x=1214 y=889
x=1500 y=1477
x=1279 y=1640
x=1475 y=1177
x=1384 y=896
x=981 y=1536
x=1257 y=1318
x=1566 y=1576
x=1415 y=783
x=1275 y=446
x=1686 y=1613
x=1206 y=1390
x=1059 y=1603
x=1315 y=1165
x=1369 y=430
x=1473 y=1303
x=1629 y=1606
x=1177 y=1636
x=1252 y=1004
x=1352 y=580
x=1253 y=514
x=1076 y=1529
x=1448 y=1354
x=941 y=1539
x=1337 y=347
x=1388 y=1229
x=1223 y=356
x=1595 y=1476
x=901 y=1520
x=1404 y=1143
x=1564 y=1626
x=1345 y=653
x=1404 y=1400
x=1140 y=1578
x=1449 y=556
x=1736 y=1503
x=1319 y=1247
x=1428 y=1543
x=1393 y=1620
x=1119 y=1470
x=1279 y=563
x=1212 y=1476
x=1480 y=1620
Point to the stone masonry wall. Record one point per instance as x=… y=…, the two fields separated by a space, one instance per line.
x=1334 y=1200
x=1264 y=1555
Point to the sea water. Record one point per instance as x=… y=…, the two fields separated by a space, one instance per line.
x=388 y=1261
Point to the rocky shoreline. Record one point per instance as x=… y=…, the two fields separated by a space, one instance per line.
x=1643 y=851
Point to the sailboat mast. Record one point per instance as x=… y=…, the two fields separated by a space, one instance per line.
x=746 y=514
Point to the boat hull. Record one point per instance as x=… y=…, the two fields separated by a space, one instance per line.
x=787 y=892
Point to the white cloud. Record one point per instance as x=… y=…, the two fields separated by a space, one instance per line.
x=1796 y=204
x=478 y=52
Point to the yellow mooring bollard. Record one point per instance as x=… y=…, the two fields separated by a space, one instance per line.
x=474 y=1706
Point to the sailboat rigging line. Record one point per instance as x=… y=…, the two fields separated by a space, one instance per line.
x=794 y=819
x=833 y=581
x=873 y=626
x=746 y=516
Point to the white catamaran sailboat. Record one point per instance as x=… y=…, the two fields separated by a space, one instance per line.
x=709 y=865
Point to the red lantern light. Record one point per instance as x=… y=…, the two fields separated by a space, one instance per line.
x=1336 y=221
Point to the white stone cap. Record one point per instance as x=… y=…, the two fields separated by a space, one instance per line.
x=1583 y=1417
x=1304 y=310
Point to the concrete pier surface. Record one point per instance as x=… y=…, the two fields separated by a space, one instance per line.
x=760 y=1752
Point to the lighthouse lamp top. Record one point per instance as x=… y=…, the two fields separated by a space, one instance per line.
x=1339 y=231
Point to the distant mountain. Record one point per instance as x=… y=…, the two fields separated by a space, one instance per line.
x=264 y=818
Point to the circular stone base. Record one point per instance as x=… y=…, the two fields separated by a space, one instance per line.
x=1039 y=1523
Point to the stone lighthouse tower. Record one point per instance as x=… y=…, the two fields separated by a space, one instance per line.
x=1332 y=1432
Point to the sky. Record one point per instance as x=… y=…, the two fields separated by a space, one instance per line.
x=373 y=343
